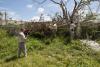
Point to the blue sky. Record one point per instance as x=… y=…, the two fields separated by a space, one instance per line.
x=27 y=9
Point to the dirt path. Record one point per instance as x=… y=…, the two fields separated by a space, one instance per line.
x=94 y=45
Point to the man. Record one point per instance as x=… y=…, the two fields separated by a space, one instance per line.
x=55 y=26
x=26 y=32
x=54 y=29
x=21 y=46
x=72 y=30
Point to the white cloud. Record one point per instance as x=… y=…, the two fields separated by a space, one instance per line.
x=53 y=7
x=13 y=15
x=29 y=6
x=47 y=18
x=10 y=14
x=36 y=18
x=40 y=10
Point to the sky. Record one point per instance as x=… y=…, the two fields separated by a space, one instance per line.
x=28 y=9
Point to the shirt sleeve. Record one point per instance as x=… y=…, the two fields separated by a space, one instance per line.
x=23 y=36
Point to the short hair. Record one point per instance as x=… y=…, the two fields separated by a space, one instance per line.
x=21 y=29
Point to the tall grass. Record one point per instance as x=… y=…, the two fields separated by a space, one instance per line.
x=56 y=54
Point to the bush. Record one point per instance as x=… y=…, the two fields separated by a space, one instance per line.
x=38 y=35
x=88 y=32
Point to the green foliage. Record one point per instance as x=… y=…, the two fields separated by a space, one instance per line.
x=38 y=35
x=56 y=54
x=89 y=31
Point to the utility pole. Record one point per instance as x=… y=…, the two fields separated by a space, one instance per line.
x=5 y=17
x=1 y=15
x=41 y=18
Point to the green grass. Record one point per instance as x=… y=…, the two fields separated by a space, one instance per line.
x=55 y=54
x=98 y=41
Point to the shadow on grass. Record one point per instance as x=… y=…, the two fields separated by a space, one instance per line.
x=11 y=58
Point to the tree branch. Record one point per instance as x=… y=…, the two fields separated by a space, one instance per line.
x=55 y=2
x=40 y=2
x=74 y=10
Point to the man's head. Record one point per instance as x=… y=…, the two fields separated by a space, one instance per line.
x=21 y=30
x=54 y=24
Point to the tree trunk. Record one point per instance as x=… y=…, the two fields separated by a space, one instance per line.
x=78 y=30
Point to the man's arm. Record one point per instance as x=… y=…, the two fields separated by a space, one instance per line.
x=23 y=35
